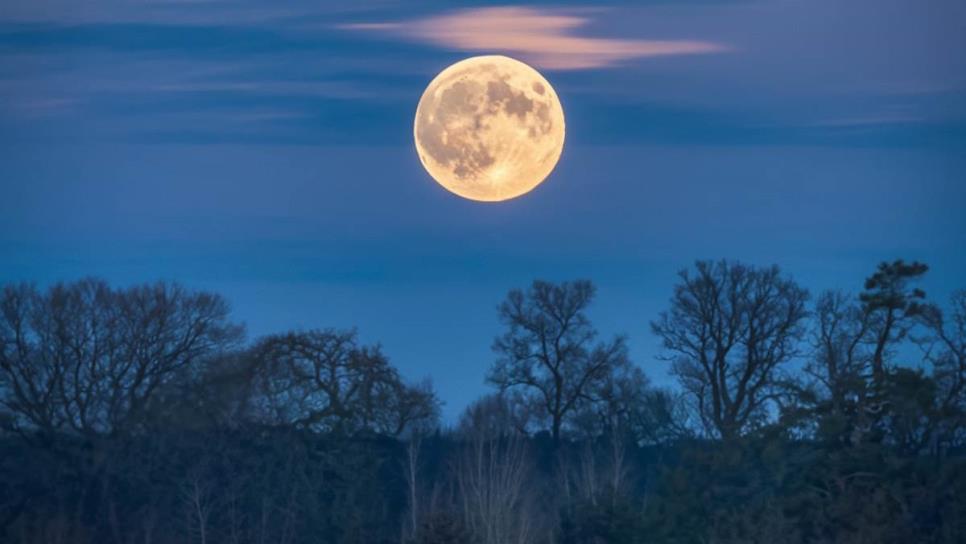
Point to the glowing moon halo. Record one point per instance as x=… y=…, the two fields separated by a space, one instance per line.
x=489 y=128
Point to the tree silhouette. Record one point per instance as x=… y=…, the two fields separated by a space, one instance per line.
x=139 y=415
x=840 y=330
x=324 y=380
x=550 y=350
x=892 y=305
x=89 y=359
x=728 y=331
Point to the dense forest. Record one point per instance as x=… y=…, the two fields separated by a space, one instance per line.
x=145 y=415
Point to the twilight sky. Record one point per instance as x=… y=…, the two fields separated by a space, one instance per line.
x=263 y=150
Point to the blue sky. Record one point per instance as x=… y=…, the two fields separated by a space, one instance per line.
x=263 y=150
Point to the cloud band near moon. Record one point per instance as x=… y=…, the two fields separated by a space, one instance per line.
x=544 y=38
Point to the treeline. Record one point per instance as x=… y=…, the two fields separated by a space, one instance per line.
x=143 y=415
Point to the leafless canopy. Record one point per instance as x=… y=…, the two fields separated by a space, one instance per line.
x=325 y=380
x=945 y=348
x=550 y=350
x=86 y=358
x=728 y=331
x=841 y=352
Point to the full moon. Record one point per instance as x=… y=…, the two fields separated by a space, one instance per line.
x=489 y=128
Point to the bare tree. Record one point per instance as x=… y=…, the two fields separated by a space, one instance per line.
x=616 y=403
x=324 y=380
x=840 y=354
x=598 y=470
x=729 y=330
x=87 y=358
x=411 y=471
x=196 y=496
x=420 y=508
x=550 y=352
x=945 y=349
x=495 y=490
x=404 y=407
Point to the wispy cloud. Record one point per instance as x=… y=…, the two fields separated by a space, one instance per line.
x=543 y=37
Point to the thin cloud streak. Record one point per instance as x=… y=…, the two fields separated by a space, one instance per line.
x=544 y=38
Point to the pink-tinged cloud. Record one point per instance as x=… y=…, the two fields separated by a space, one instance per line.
x=544 y=38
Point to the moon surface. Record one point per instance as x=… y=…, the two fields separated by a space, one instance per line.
x=489 y=128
